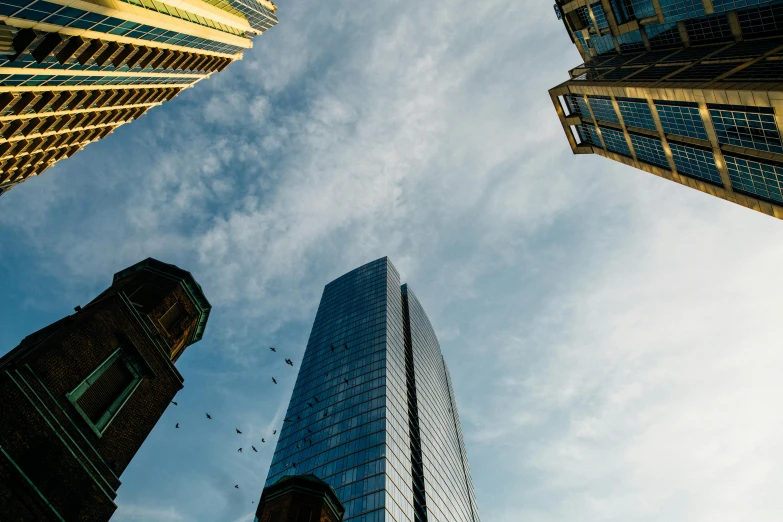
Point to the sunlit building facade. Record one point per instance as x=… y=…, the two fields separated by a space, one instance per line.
x=71 y=71
x=373 y=411
x=688 y=90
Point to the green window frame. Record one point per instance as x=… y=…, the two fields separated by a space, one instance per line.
x=129 y=363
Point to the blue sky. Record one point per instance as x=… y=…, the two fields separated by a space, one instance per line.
x=613 y=337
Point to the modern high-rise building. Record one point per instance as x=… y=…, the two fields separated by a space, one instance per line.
x=80 y=396
x=71 y=71
x=373 y=411
x=688 y=90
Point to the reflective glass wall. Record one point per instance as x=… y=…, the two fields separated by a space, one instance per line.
x=351 y=414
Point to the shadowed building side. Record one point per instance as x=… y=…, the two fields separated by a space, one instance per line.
x=81 y=395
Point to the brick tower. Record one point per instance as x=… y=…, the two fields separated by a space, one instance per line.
x=299 y=498
x=81 y=395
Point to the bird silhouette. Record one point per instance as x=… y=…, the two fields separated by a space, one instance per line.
x=262 y=440
x=316 y=399
x=177 y=426
x=174 y=403
x=236 y=486
x=254 y=449
x=239 y=450
x=332 y=347
x=325 y=414
x=310 y=404
x=289 y=362
x=298 y=418
x=346 y=381
x=238 y=431
x=309 y=430
x=272 y=348
x=274 y=432
x=287 y=420
x=274 y=380
x=346 y=346
x=327 y=375
x=209 y=416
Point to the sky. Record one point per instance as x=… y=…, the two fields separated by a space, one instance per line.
x=613 y=337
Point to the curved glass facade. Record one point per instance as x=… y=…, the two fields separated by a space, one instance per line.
x=354 y=419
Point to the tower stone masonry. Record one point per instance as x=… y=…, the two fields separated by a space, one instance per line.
x=81 y=395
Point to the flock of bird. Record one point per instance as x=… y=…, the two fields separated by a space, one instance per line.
x=289 y=362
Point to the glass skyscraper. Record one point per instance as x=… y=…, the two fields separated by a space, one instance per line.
x=73 y=71
x=688 y=90
x=373 y=411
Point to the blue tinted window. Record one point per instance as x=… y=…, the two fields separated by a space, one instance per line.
x=589 y=135
x=603 y=44
x=674 y=10
x=663 y=35
x=753 y=130
x=615 y=141
x=637 y=113
x=756 y=178
x=630 y=41
x=603 y=109
x=600 y=16
x=682 y=120
x=694 y=162
x=643 y=8
x=576 y=105
x=649 y=150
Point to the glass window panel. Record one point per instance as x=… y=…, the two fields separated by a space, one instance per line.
x=756 y=178
x=746 y=128
x=681 y=119
x=695 y=162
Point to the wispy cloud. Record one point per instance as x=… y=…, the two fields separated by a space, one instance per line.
x=612 y=336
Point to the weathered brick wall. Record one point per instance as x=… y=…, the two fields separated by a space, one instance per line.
x=37 y=417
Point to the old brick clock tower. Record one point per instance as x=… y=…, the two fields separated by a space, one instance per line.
x=79 y=397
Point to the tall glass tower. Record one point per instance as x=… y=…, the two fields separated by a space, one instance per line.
x=71 y=71
x=688 y=90
x=373 y=411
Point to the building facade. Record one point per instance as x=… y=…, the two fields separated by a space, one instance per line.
x=81 y=395
x=688 y=90
x=71 y=71
x=373 y=411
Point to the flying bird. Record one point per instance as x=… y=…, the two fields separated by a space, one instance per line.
x=298 y=418
x=274 y=432
x=236 y=486
x=239 y=450
x=346 y=346
x=316 y=399
x=310 y=404
x=309 y=430
x=289 y=362
x=177 y=426
x=209 y=416
x=272 y=348
x=174 y=403
x=254 y=449
x=262 y=440
x=238 y=431
x=287 y=420
x=274 y=380
x=325 y=414
x=346 y=381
